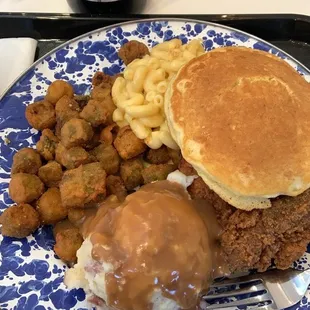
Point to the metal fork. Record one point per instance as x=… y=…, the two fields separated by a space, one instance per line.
x=271 y=290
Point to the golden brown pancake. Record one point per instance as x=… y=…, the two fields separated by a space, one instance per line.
x=242 y=118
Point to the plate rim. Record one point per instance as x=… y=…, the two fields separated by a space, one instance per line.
x=136 y=21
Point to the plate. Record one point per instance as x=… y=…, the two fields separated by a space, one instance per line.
x=31 y=275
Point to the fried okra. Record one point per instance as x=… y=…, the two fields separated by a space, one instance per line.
x=68 y=241
x=131 y=173
x=132 y=50
x=19 y=221
x=25 y=187
x=81 y=100
x=85 y=185
x=59 y=152
x=66 y=108
x=186 y=168
x=26 y=160
x=157 y=172
x=100 y=77
x=116 y=186
x=100 y=92
x=51 y=174
x=108 y=158
x=41 y=115
x=57 y=90
x=76 y=156
x=76 y=132
x=99 y=112
x=108 y=134
x=127 y=144
x=47 y=144
x=50 y=207
x=175 y=156
x=159 y=156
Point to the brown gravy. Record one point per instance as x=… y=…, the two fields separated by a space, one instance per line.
x=155 y=239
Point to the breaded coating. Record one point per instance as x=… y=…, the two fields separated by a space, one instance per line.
x=68 y=241
x=132 y=50
x=47 y=144
x=131 y=173
x=108 y=158
x=95 y=140
x=51 y=174
x=76 y=132
x=41 y=115
x=108 y=134
x=57 y=90
x=175 y=156
x=26 y=160
x=100 y=77
x=76 y=216
x=99 y=112
x=157 y=172
x=101 y=92
x=159 y=156
x=116 y=186
x=59 y=152
x=76 y=156
x=66 y=108
x=186 y=168
x=62 y=226
x=83 y=186
x=19 y=221
x=127 y=144
x=25 y=188
x=50 y=208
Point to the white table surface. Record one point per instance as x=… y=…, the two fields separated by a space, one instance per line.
x=169 y=6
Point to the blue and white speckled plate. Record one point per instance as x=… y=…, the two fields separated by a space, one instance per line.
x=31 y=275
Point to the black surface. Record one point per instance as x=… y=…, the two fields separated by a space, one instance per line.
x=289 y=32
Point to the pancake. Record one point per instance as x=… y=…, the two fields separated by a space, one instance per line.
x=242 y=118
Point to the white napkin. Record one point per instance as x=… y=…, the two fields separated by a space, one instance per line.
x=16 y=55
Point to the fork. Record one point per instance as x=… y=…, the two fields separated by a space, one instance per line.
x=271 y=290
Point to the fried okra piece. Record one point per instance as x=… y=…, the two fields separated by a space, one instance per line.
x=59 y=152
x=81 y=100
x=175 y=156
x=186 y=168
x=131 y=173
x=68 y=241
x=100 y=77
x=77 y=216
x=116 y=186
x=41 y=115
x=25 y=188
x=66 y=108
x=159 y=156
x=127 y=144
x=57 y=90
x=108 y=158
x=132 y=50
x=83 y=186
x=154 y=173
x=47 y=144
x=62 y=226
x=51 y=174
x=19 y=221
x=99 y=112
x=101 y=92
x=76 y=156
x=95 y=140
x=26 y=160
x=76 y=132
x=50 y=207
x=108 y=134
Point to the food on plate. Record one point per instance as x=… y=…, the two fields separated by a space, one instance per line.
x=108 y=157
x=25 y=188
x=41 y=115
x=76 y=132
x=85 y=185
x=26 y=160
x=158 y=156
x=132 y=50
x=240 y=131
x=74 y=157
x=19 y=221
x=50 y=208
x=127 y=144
x=154 y=173
x=139 y=254
x=51 y=174
x=57 y=90
x=108 y=134
x=139 y=94
x=68 y=241
x=47 y=144
x=116 y=186
x=131 y=172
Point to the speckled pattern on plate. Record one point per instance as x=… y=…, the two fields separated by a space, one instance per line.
x=31 y=275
